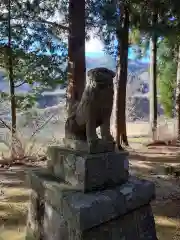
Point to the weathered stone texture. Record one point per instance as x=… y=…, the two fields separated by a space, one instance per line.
x=83 y=196
x=71 y=214
x=86 y=192
x=101 y=146
x=89 y=172
x=136 y=225
x=93 y=110
x=93 y=209
x=55 y=227
x=34 y=226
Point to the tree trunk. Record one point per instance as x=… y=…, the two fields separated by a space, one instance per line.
x=76 y=53
x=153 y=81
x=178 y=96
x=11 y=80
x=122 y=65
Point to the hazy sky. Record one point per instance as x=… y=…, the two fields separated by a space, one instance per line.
x=94 y=47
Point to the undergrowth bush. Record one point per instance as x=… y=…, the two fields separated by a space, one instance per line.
x=25 y=145
x=166 y=129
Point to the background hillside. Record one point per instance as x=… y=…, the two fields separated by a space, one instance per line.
x=137 y=89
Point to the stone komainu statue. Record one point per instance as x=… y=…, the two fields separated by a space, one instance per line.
x=94 y=109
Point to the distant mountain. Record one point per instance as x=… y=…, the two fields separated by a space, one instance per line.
x=107 y=61
x=100 y=61
x=135 y=68
x=137 y=88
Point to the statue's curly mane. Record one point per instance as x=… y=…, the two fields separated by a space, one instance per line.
x=95 y=107
x=99 y=76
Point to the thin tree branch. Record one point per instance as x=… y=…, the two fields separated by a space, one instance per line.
x=41 y=126
x=16 y=86
x=5 y=124
x=58 y=25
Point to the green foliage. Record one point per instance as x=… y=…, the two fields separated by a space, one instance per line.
x=167 y=68
x=38 y=47
x=142 y=28
x=167 y=83
x=25 y=102
x=107 y=14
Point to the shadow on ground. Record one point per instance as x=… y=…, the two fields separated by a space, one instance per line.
x=12 y=216
x=155 y=157
x=166 y=206
x=14 y=196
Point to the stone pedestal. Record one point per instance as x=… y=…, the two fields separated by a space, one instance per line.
x=88 y=172
x=86 y=197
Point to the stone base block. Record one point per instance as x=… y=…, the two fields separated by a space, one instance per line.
x=99 y=147
x=65 y=213
x=136 y=225
x=88 y=172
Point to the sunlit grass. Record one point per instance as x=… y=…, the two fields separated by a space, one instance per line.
x=141 y=140
x=12 y=233
x=167 y=228
x=14 y=204
x=13 y=212
x=13 y=218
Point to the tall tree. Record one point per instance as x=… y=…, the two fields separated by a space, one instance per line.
x=167 y=69
x=36 y=48
x=10 y=70
x=159 y=24
x=76 y=53
x=153 y=77
x=178 y=95
x=122 y=65
x=175 y=21
x=112 y=24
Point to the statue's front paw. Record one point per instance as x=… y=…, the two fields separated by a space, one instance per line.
x=93 y=142
x=108 y=138
x=92 y=145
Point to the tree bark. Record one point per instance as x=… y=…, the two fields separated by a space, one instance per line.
x=11 y=80
x=153 y=81
x=76 y=53
x=122 y=68
x=178 y=95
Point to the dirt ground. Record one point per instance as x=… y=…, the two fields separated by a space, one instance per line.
x=146 y=163
x=150 y=164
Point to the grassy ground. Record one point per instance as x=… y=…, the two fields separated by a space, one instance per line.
x=144 y=163
x=150 y=164
x=13 y=204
